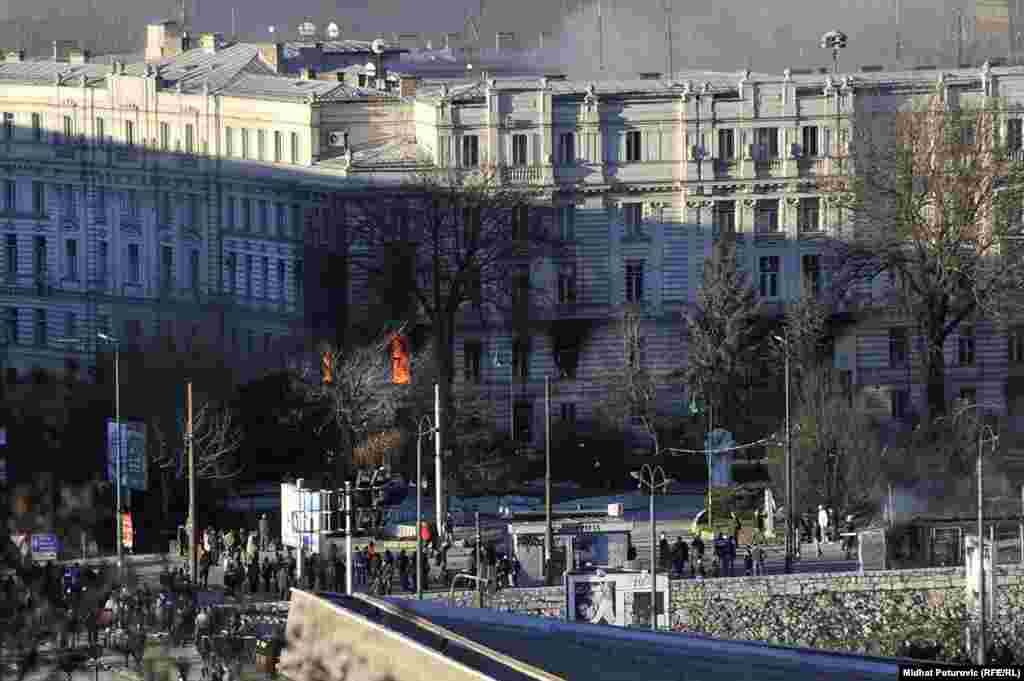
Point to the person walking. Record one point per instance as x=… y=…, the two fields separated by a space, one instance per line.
x=759 y=560
x=664 y=553
x=748 y=562
x=680 y=557
x=697 y=555
x=736 y=527
x=849 y=538
x=403 y=570
x=283 y=580
x=264 y=533
x=822 y=535
x=267 y=572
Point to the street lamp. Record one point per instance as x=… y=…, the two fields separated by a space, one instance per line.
x=790 y=522
x=423 y=428
x=985 y=435
x=647 y=477
x=120 y=447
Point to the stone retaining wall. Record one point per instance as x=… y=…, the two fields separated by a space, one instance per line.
x=871 y=613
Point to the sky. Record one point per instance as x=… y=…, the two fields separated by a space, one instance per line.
x=727 y=35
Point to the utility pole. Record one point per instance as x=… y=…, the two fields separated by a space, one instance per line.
x=981 y=557
x=547 y=479
x=348 y=537
x=438 y=464
x=668 y=36
x=192 y=524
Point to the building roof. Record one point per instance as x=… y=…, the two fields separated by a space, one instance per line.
x=293 y=49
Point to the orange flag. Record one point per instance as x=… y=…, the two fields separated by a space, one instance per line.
x=399 y=359
x=327 y=370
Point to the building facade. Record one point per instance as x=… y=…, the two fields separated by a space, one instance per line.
x=139 y=197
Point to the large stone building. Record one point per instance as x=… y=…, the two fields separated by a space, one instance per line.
x=139 y=197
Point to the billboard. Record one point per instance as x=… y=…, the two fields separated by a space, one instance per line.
x=992 y=16
x=133 y=453
x=45 y=547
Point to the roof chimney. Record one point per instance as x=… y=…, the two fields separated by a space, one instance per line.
x=14 y=56
x=650 y=75
x=407 y=86
x=78 y=56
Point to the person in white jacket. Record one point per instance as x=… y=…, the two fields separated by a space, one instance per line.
x=822 y=527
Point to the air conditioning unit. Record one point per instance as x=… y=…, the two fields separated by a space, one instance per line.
x=338 y=139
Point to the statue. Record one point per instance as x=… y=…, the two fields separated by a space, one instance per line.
x=769 y=513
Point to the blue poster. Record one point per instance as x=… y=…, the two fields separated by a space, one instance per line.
x=133 y=454
x=44 y=547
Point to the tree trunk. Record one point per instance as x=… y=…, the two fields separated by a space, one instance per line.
x=935 y=372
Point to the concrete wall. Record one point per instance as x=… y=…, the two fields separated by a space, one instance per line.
x=872 y=613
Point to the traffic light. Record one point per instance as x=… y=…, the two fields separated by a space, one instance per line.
x=327 y=367
x=400 y=374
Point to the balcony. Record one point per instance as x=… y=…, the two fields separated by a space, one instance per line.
x=525 y=175
x=812 y=167
x=772 y=167
x=726 y=168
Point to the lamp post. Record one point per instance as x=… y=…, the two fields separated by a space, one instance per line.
x=420 y=433
x=118 y=538
x=790 y=539
x=647 y=477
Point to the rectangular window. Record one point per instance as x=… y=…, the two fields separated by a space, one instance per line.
x=472 y=352
x=37 y=127
x=193 y=269
x=768 y=268
x=101 y=130
x=231 y=270
x=567 y=222
x=295 y=147
x=102 y=261
x=11 y=325
x=633 y=146
x=247 y=214
x=193 y=211
x=41 y=335
x=900 y=403
x=38 y=198
x=568 y=412
x=633 y=217
x=8 y=125
x=71 y=259
x=471 y=228
x=725 y=217
x=130 y=203
x=965 y=346
x=165 y=136
x=567 y=148
x=297 y=221
x=261 y=221
x=101 y=204
x=522 y=419
x=70 y=325
x=899 y=347
x=250 y=272
x=265 y=268
x=282 y=216
x=166 y=266
x=10 y=196
x=567 y=284
x=134 y=264
x=68 y=195
x=519 y=143
x=808 y=216
x=1014 y=134
x=277 y=146
x=521 y=358
x=39 y=257
x=69 y=128
x=726 y=144
x=165 y=209
x=245 y=143
x=280 y=280
x=299 y=278
x=520 y=289
x=261 y=145
x=103 y=324
x=1015 y=344
x=190 y=138
x=811 y=266
x=635 y=281
x=250 y=341
x=809 y=149
x=766 y=216
x=470 y=151
x=229 y=141
x=766 y=143
x=11 y=256
x=268 y=341
x=129 y=133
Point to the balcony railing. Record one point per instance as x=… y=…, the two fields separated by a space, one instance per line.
x=812 y=166
x=726 y=168
x=522 y=174
x=771 y=166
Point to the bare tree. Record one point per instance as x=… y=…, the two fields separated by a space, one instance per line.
x=450 y=244
x=216 y=439
x=932 y=202
x=722 y=333
x=632 y=393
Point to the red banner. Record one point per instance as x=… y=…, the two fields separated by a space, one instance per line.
x=400 y=374
x=127 y=531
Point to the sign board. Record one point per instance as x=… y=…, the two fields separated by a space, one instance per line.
x=618 y=598
x=45 y=547
x=133 y=454
x=871 y=550
x=971 y=554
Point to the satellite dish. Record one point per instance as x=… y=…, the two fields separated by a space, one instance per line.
x=377 y=46
x=307 y=29
x=333 y=31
